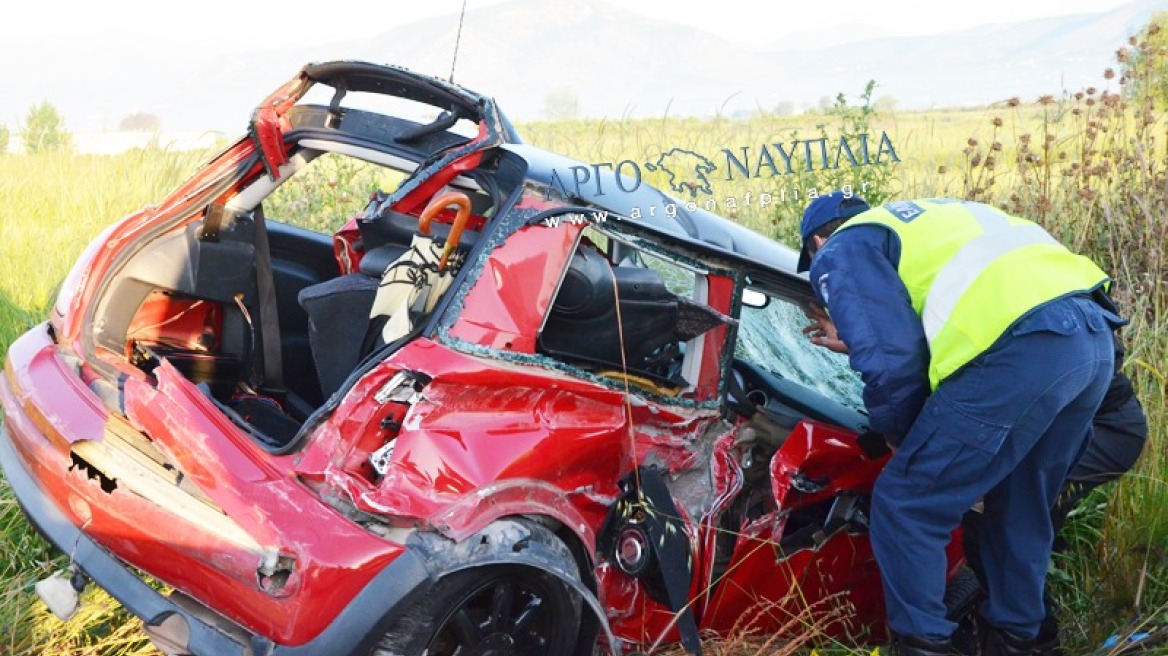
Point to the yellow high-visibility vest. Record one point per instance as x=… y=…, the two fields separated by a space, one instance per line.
x=972 y=270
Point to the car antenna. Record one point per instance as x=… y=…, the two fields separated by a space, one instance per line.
x=457 y=41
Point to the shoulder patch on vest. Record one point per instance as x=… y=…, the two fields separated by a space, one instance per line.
x=905 y=210
x=823 y=288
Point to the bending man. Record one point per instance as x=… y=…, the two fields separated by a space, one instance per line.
x=984 y=354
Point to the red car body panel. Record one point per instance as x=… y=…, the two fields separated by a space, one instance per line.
x=505 y=310
x=460 y=426
x=333 y=558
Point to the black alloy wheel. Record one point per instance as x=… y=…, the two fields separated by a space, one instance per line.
x=504 y=610
x=517 y=612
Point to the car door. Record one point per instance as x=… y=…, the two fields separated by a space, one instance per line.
x=791 y=547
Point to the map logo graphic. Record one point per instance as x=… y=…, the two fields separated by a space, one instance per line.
x=686 y=169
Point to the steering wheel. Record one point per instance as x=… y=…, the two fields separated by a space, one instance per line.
x=439 y=203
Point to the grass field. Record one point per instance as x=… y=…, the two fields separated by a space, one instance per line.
x=1092 y=169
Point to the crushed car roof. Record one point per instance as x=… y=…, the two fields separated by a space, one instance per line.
x=651 y=209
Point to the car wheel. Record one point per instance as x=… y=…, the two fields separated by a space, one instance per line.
x=963 y=596
x=493 y=610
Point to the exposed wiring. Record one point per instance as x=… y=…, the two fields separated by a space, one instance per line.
x=243 y=308
x=250 y=328
x=134 y=334
x=620 y=334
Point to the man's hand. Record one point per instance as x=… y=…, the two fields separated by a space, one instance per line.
x=822 y=329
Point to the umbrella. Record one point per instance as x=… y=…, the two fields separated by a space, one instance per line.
x=412 y=284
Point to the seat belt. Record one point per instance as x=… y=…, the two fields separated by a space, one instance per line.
x=269 y=312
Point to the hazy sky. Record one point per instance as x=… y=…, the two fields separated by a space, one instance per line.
x=754 y=21
x=99 y=61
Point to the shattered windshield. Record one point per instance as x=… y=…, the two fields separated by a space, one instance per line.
x=772 y=338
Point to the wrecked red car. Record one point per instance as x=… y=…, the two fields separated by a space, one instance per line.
x=498 y=412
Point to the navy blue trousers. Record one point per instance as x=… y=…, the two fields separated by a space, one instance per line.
x=1006 y=428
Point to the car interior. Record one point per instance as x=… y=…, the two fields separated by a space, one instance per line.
x=621 y=299
x=256 y=311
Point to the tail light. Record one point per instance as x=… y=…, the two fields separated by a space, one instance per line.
x=68 y=295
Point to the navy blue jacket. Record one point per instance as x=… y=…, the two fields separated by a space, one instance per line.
x=854 y=276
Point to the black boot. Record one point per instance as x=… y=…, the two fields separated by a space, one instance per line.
x=1047 y=643
x=999 y=642
x=1052 y=647
x=914 y=646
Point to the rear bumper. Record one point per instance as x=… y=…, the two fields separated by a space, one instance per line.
x=354 y=630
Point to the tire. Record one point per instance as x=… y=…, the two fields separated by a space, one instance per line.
x=963 y=596
x=495 y=610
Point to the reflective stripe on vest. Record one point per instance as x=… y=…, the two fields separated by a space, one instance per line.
x=971 y=271
x=955 y=278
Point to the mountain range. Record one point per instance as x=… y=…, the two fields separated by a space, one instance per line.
x=615 y=62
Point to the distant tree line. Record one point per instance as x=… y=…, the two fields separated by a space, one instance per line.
x=140 y=122
x=44 y=130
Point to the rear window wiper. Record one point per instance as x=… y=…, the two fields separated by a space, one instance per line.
x=445 y=121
